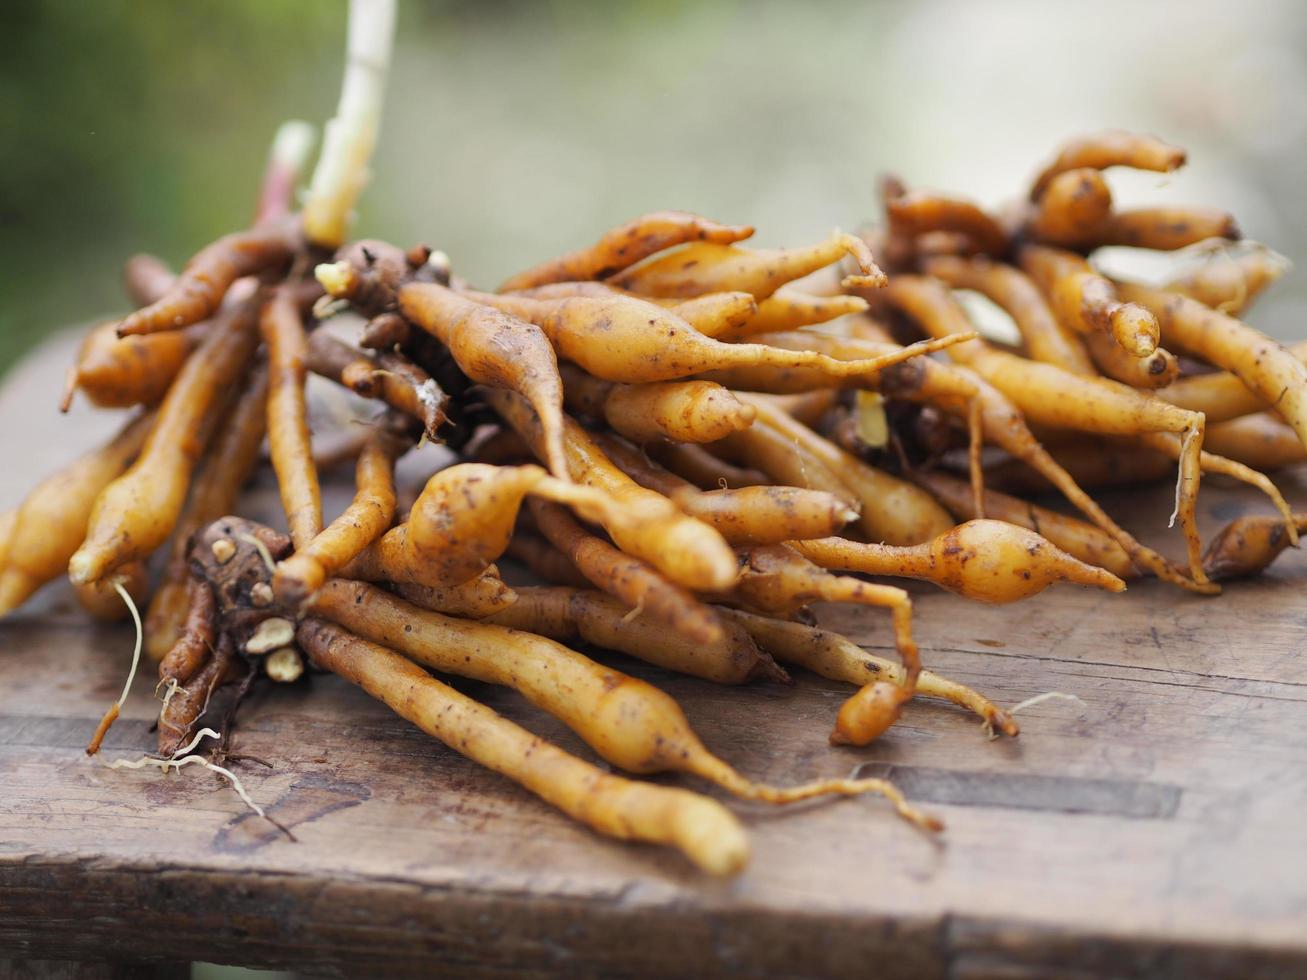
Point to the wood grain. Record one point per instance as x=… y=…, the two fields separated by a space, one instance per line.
x=1154 y=829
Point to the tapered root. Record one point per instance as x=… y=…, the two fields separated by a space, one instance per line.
x=835 y=657
x=1247 y=545
x=730 y=780
x=700 y=828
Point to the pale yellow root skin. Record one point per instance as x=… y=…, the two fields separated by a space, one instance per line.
x=768 y=515
x=712 y=268
x=1050 y=396
x=289 y=444
x=1110 y=148
x=102 y=601
x=1220 y=395
x=703 y=830
x=1229 y=282
x=485 y=595
x=637 y=584
x=624 y=719
x=747 y=515
x=1165 y=229
x=8 y=520
x=1076 y=537
x=780 y=581
x=1261 y=441
x=1173 y=446
x=495 y=349
x=593 y=617
x=465 y=518
x=920 y=379
x=789 y=309
x=1114 y=409
x=630 y=723
x=714 y=315
x=653 y=529
x=1086 y=302
x=784 y=462
x=50 y=524
x=221 y=474
x=916 y=214
x=705 y=469
x=682 y=411
x=985 y=560
x=362 y=522
x=1269 y=370
x=634 y=341
x=1157 y=370
x=954 y=388
x=890 y=509
x=1072 y=209
x=136 y=513
x=627 y=244
x=1044 y=336
x=198 y=292
x=1247 y=545
x=835 y=657
x=458 y=526
x=118 y=373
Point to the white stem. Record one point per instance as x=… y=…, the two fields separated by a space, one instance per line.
x=350 y=137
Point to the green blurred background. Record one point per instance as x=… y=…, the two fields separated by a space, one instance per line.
x=515 y=130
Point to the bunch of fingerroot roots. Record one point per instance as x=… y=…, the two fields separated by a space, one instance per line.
x=685 y=442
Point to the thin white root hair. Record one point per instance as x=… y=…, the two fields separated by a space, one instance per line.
x=173 y=688
x=140 y=638
x=111 y=715
x=200 y=736
x=182 y=758
x=1046 y=696
x=177 y=764
x=988 y=727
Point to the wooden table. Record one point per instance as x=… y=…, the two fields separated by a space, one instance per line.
x=1156 y=829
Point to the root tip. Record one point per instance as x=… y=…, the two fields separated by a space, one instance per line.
x=1001 y=721
x=769 y=670
x=102 y=729
x=876 y=280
